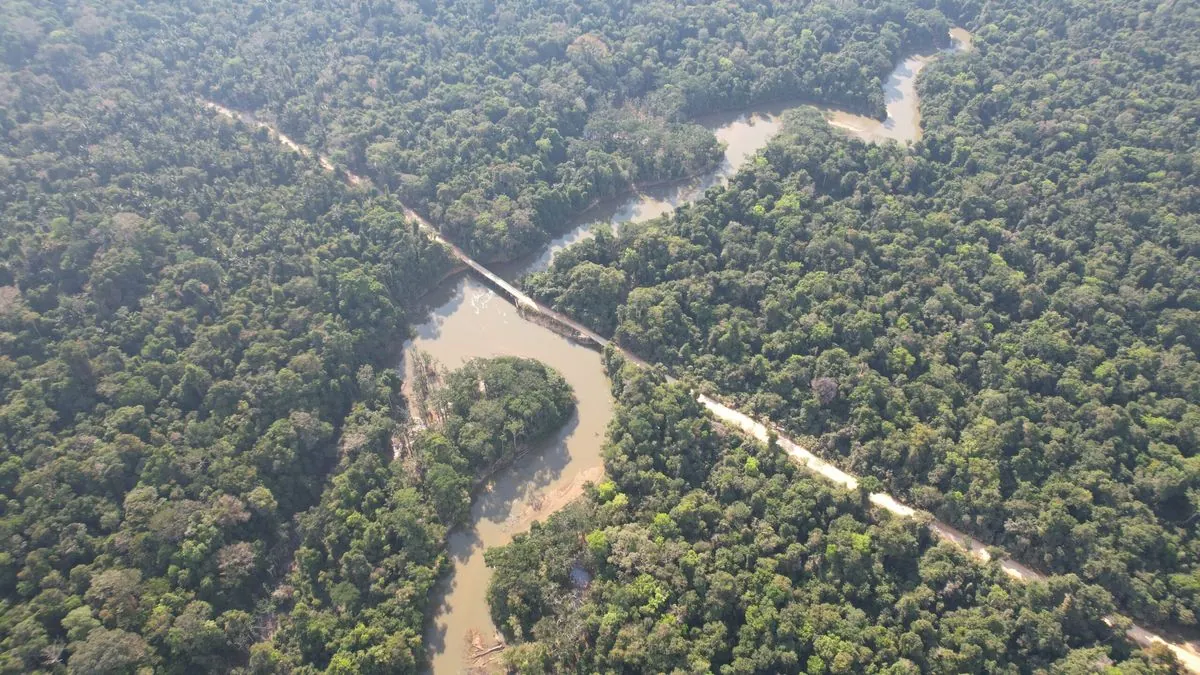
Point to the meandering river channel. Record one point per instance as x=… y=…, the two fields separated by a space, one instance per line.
x=467 y=320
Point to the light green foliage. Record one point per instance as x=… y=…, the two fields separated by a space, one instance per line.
x=502 y=121
x=774 y=571
x=372 y=549
x=999 y=322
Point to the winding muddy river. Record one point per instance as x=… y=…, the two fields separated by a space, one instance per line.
x=743 y=134
x=468 y=320
x=903 y=123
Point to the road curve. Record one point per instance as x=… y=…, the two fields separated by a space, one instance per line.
x=1187 y=653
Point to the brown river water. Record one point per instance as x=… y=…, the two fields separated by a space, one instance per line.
x=903 y=123
x=468 y=320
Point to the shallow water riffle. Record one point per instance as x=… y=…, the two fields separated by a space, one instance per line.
x=468 y=320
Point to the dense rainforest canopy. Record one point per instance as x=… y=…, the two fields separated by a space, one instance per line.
x=705 y=552
x=370 y=553
x=198 y=408
x=187 y=314
x=1000 y=322
x=501 y=120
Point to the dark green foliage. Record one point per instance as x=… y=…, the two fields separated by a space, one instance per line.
x=186 y=310
x=491 y=407
x=500 y=121
x=998 y=324
x=752 y=566
x=191 y=316
x=371 y=552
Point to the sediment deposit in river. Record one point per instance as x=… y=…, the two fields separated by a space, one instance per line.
x=468 y=319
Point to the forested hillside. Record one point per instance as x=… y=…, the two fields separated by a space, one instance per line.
x=1001 y=324
x=706 y=552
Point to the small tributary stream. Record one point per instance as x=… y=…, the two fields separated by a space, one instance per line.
x=468 y=320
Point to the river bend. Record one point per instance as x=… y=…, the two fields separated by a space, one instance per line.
x=468 y=319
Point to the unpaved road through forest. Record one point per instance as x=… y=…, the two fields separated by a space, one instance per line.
x=1187 y=653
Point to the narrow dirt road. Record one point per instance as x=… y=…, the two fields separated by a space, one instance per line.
x=1188 y=653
